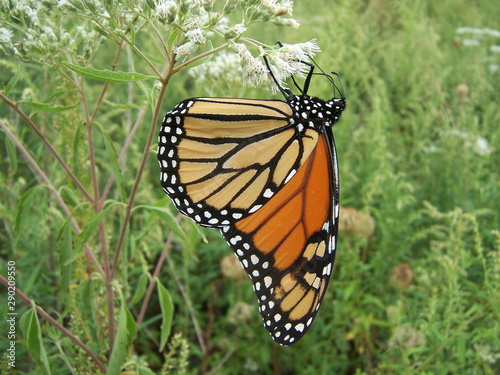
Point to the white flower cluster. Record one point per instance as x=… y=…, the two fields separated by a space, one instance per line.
x=287 y=60
x=192 y=23
x=477 y=37
x=477 y=143
x=40 y=36
x=224 y=70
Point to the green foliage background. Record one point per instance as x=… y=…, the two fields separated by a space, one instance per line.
x=420 y=295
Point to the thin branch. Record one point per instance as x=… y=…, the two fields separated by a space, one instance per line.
x=156 y=272
x=158 y=34
x=78 y=82
x=142 y=165
x=125 y=148
x=142 y=55
x=58 y=197
x=189 y=305
x=222 y=361
x=48 y=144
x=56 y=324
x=190 y=61
x=121 y=47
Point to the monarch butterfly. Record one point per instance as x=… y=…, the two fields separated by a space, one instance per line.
x=265 y=173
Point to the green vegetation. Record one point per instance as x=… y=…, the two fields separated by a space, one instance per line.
x=419 y=159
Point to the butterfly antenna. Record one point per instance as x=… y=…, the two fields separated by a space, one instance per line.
x=342 y=90
x=286 y=93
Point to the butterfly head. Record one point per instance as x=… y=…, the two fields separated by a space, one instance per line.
x=314 y=112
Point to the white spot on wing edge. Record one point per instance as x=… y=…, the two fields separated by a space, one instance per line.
x=290 y=175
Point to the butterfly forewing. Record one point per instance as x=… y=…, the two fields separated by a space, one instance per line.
x=223 y=159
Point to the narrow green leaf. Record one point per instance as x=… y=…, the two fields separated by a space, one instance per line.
x=33 y=335
x=47 y=107
x=141 y=370
x=198 y=62
x=77 y=4
x=165 y=216
x=24 y=205
x=171 y=38
x=123 y=340
x=132 y=34
x=13 y=81
x=140 y=291
x=107 y=75
x=76 y=150
x=167 y=312
x=65 y=247
x=88 y=232
x=113 y=161
x=69 y=195
x=86 y=309
x=12 y=154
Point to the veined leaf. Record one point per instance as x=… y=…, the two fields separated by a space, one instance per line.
x=165 y=216
x=47 y=107
x=123 y=340
x=107 y=75
x=167 y=312
x=31 y=327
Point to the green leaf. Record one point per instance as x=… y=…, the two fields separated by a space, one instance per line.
x=171 y=38
x=32 y=332
x=167 y=312
x=65 y=247
x=113 y=161
x=89 y=231
x=141 y=288
x=12 y=82
x=69 y=195
x=47 y=107
x=11 y=151
x=76 y=150
x=166 y=216
x=107 y=75
x=123 y=340
x=141 y=370
x=25 y=203
x=86 y=309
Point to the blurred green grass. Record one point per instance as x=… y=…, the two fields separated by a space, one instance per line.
x=421 y=294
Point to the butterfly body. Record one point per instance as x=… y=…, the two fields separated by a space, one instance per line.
x=264 y=172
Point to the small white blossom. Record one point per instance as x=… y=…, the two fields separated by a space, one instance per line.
x=289 y=60
x=479 y=144
x=287 y=22
x=479 y=31
x=186 y=49
x=196 y=36
x=225 y=68
x=235 y=31
x=32 y=14
x=470 y=43
x=5 y=35
x=254 y=71
x=49 y=33
x=166 y=10
x=65 y=4
x=277 y=7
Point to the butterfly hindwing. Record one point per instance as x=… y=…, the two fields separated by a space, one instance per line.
x=288 y=247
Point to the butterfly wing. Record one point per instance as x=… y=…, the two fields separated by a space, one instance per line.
x=288 y=246
x=223 y=159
